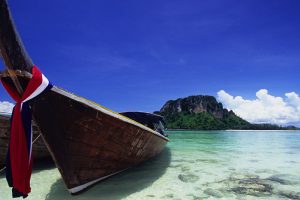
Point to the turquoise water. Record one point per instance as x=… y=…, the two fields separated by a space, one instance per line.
x=196 y=165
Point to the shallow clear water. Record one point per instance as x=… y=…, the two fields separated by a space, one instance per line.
x=196 y=165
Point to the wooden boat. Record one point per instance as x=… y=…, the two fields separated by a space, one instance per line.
x=87 y=141
x=39 y=149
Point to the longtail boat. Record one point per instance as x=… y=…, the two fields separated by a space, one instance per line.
x=39 y=149
x=88 y=142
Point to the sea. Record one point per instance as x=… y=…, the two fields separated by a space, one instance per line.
x=194 y=165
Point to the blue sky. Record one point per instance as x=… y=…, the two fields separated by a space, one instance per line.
x=135 y=55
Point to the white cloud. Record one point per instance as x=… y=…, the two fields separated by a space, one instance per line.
x=265 y=108
x=6 y=107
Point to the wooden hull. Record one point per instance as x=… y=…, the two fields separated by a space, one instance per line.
x=86 y=141
x=39 y=149
x=89 y=142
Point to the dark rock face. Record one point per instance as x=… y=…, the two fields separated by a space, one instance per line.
x=200 y=112
x=194 y=105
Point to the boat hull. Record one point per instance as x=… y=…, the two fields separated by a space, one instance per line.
x=90 y=143
x=87 y=142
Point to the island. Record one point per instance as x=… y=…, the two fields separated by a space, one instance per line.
x=204 y=112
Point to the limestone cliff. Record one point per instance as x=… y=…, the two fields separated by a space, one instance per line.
x=194 y=105
x=205 y=113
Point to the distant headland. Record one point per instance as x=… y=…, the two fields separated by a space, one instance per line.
x=203 y=112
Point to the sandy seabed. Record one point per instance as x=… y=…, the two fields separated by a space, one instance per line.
x=195 y=165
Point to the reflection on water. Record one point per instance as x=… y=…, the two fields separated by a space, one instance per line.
x=196 y=165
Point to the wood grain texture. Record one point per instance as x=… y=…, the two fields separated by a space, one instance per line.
x=87 y=144
x=12 y=49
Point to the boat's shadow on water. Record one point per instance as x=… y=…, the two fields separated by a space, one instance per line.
x=120 y=185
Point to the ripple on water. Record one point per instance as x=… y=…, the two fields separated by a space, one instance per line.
x=254 y=187
x=185 y=168
x=213 y=193
x=168 y=196
x=280 y=186
x=194 y=197
x=150 y=195
x=284 y=179
x=188 y=178
x=176 y=166
x=219 y=173
x=290 y=194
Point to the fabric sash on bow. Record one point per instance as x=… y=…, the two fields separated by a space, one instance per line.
x=19 y=157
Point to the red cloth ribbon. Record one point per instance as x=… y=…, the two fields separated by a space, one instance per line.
x=19 y=159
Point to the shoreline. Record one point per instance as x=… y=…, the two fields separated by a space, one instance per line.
x=229 y=130
x=233 y=130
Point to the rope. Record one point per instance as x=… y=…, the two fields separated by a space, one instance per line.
x=1 y=170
